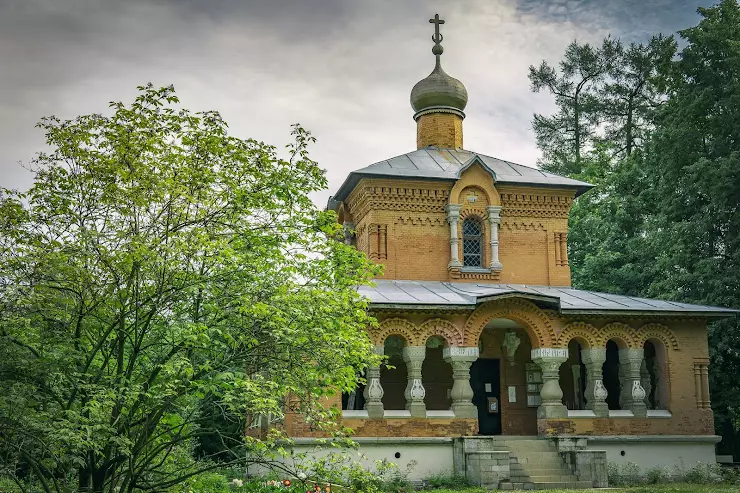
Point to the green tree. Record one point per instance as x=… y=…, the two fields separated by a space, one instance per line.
x=157 y=264
x=694 y=172
x=564 y=136
x=632 y=91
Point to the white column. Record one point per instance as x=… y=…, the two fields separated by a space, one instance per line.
x=593 y=359
x=549 y=361
x=415 y=392
x=460 y=358
x=453 y=216
x=494 y=217
x=373 y=390
x=632 y=394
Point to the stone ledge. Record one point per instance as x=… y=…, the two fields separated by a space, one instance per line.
x=380 y=440
x=650 y=438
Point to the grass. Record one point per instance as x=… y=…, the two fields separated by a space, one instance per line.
x=664 y=488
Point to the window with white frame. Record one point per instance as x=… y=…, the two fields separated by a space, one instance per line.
x=472 y=230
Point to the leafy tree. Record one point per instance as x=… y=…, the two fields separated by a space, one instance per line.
x=628 y=96
x=694 y=170
x=563 y=137
x=157 y=264
x=663 y=220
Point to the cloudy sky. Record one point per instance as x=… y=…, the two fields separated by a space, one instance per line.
x=341 y=68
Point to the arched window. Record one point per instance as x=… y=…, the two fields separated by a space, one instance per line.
x=472 y=243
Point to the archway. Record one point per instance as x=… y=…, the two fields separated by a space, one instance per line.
x=505 y=364
x=393 y=374
x=436 y=376
x=611 y=375
x=573 y=377
x=654 y=374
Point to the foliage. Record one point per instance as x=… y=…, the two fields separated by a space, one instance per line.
x=661 y=143
x=159 y=279
x=446 y=481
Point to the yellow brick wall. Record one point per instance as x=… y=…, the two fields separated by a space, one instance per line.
x=439 y=130
x=402 y=224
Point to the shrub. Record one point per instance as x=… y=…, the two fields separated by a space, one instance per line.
x=702 y=473
x=447 y=481
x=658 y=475
x=625 y=475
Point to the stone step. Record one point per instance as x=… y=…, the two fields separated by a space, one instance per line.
x=558 y=485
x=534 y=447
x=555 y=478
x=549 y=463
x=552 y=471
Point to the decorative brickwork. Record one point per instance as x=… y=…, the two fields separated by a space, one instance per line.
x=657 y=331
x=535 y=322
x=586 y=334
x=439 y=130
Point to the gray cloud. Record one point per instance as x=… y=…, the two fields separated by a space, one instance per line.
x=342 y=68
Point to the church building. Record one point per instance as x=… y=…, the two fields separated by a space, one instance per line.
x=502 y=371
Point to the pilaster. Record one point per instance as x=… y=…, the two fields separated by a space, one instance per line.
x=453 y=217
x=494 y=217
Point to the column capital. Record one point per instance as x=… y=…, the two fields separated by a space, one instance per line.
x=414 y=353
x=494 y=213
x=593 y=356
x=461 y=353
x=550 y=353
x=453 y=211
x=379 y=349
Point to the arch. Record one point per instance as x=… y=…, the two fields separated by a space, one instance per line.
x=657 y=331
x=395 y=326
x=586 y=333
x=535 y=322
x=442 y=328
x=475 y=176
x=621 y=333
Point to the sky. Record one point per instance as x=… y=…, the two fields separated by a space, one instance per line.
x=343 y=69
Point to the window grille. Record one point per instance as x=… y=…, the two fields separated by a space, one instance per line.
x=472 y=243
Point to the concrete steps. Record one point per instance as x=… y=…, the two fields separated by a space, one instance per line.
x=535 y=464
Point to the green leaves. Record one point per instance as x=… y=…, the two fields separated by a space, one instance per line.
x=156 y=264
x=663 y=219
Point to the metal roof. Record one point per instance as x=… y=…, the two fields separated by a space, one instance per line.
x=447 y=164
x=435 y=294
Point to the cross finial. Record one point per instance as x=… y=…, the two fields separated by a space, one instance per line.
x=437 y=36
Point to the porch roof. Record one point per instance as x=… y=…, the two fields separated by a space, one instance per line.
x=441 y=295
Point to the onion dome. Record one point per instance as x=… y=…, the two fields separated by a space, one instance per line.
x=438 y=92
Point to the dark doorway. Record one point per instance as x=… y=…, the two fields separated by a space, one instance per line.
x=484 y=379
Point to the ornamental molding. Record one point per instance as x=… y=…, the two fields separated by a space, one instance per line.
x=660 y=332
x=578 y=330
x=426 y=221
x=619 y=332
x=416 y=335
x=522 y=225
x=395 y=327
x=535 y=322
x=443 y=328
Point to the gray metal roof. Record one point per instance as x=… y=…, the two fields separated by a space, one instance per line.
x=433 y=294
x=447 y=164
